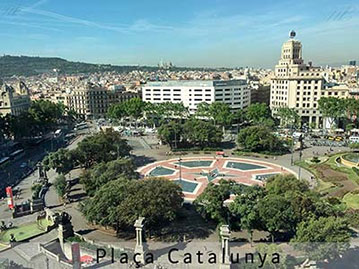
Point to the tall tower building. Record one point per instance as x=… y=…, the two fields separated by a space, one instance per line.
x=296 y=84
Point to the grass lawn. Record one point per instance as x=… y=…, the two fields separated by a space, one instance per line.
x=352 y=200
x=25 y=231
x=3 y=246
x=323 y=186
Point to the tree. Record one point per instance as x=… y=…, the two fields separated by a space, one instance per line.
x=117 y=111
x=276 y=214
x=102 y=208
x=304 y=202
x=352 y=106
x=22 y=126
x=62 y=161
x=4 y=128
x=323 y=238
x=201 y=133
x=102 y=147
x=289 y=117
x=210 y=203
x=219 y=112
x=102 y=173
x=170 y=133
x=60 y=185
x=46 y=113
x=156 y=199
x=281 y=184
x=203 y=110
x=133 y=108
x=332 y=108
x=245 y=209
x=259 y=114
x=259 y=139
x=119 y=203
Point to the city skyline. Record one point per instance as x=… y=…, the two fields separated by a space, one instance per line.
x=191 y=33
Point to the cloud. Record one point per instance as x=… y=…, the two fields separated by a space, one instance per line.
x=139 y=25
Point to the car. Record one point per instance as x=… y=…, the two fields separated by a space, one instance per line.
x=338 y=138
x=354 y=139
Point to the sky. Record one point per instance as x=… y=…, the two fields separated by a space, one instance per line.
x=211 y=33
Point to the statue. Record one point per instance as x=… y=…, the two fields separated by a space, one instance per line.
x=12 y=238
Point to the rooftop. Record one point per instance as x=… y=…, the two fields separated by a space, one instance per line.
x=198 y=83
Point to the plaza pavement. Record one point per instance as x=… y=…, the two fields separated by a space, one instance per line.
x=140 y=148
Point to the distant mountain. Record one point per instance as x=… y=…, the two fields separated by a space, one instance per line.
x=28 y=66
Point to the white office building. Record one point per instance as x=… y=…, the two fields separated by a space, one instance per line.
x=235 y=93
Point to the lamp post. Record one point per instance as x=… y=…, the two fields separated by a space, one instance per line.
x=179 y=161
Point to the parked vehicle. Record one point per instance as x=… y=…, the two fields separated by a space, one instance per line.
x=354 y=139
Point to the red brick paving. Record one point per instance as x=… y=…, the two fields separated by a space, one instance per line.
x=241 y=176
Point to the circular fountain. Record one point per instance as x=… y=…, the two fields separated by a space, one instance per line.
x=350 y=159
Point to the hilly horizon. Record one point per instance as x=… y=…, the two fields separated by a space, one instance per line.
x=22 y=65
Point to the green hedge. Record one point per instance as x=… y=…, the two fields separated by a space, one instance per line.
x=197 y=149
x=356 y=170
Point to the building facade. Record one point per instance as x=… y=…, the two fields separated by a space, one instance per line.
x=298 y=85
x=235 y=93
x=92 y=101
x=14 y=99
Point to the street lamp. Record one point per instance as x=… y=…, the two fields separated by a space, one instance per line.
x=179 y=161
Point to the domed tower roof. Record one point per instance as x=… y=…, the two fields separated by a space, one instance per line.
x=292 y=34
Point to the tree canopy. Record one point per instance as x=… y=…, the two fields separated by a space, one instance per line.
x=259 y=114
x=102 y=147
x=119 y=203
x=219 y=112
x=194 y=132
x=323 y=238
x=289 y=117
x=332 y=108
x=102 y=173
x=62 y=161
x=210 y=203
x=259 y=139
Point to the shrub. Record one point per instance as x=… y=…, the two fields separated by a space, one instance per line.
x=315 y=159
x=36 y=188
x=356 y=170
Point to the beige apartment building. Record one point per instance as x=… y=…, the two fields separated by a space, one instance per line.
x=92 y=101
x=298 y=85
x=14 y=99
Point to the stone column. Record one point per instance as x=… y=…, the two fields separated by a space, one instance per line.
x=225 y=234
x=60 y=230
x=139 y=249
